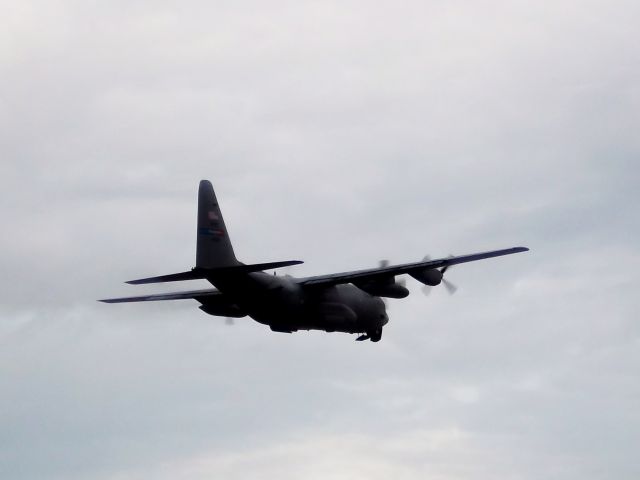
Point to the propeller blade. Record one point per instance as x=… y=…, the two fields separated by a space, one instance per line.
x=426 y=289
x=382 y=264
x=451 y=288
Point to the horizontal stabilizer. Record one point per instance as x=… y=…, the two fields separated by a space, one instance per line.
x=200 y=295
x=174 y=277
x=204 y=273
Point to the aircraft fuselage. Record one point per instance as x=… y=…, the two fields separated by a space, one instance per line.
x=281 y=303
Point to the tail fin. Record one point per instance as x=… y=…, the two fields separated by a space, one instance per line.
x=214 y=248
x=214 y=253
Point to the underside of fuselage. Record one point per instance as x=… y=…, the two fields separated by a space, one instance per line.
x=285 y=306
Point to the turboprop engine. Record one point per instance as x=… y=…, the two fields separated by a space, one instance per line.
x=431 y=277
x=389 y=289
x=223 y=310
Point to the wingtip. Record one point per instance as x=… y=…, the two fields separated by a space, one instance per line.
x=141 y=281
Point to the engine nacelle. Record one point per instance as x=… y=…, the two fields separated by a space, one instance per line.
x=389 y=290
x=229 y=310
x=431 y=277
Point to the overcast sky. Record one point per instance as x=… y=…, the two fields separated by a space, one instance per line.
x=339 y=133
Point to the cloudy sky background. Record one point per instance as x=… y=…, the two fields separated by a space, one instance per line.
x=339 y=133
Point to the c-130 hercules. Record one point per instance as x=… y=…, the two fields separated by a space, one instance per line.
x=339 y=302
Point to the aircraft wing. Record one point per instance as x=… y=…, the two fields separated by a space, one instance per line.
x=391 y=270
x=206 y=294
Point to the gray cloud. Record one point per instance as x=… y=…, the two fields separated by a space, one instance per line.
x=339 y=133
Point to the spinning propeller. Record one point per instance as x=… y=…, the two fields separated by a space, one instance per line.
x=451 y=288
x=400 y=281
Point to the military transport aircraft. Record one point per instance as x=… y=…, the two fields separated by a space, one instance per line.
x=338 y=302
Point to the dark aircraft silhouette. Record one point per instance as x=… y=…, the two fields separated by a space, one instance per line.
x=339 y=302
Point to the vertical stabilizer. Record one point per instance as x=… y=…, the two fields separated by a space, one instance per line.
x=214 y=248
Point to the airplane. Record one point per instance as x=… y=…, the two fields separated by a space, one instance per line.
x=350 y=302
